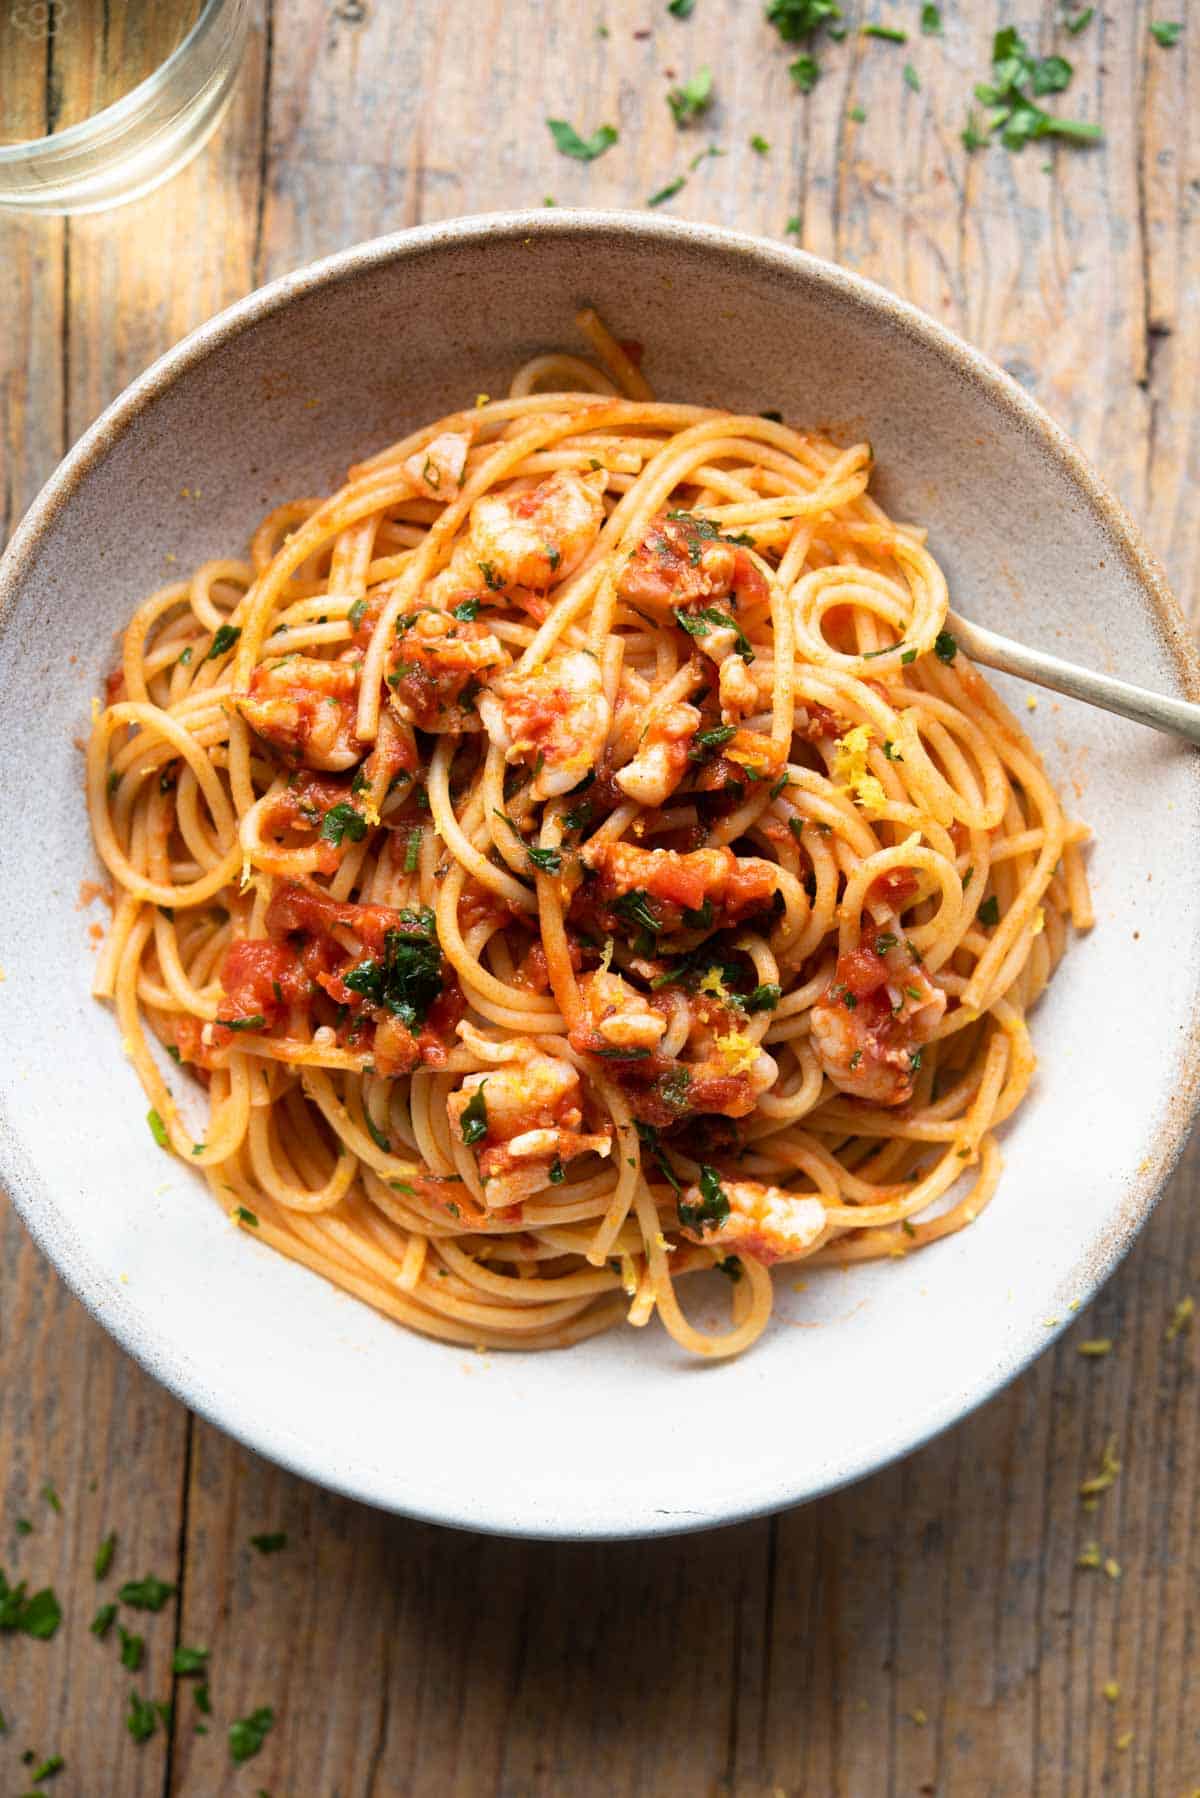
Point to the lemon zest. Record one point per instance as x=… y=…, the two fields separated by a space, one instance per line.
x=738 y=1051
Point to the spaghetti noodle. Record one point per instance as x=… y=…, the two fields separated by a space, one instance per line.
x=575 y=855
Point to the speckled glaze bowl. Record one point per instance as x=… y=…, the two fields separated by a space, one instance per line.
x=621 y=1436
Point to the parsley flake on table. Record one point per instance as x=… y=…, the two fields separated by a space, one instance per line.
x=911 y=78
x=692 y=98
x=104 y=1555
x=142 y=1718
x=188 y=1660
x=248 y=1734
x=931 y=21
x=759 y=144
x=103 y=1621
x=53 y=1764
x=133 y=1649
x=891 y=34
x=1166 y=32
x=681 y=9
x=149 y=1594
x=583 y=149
x=38 y=1615
x=805 y=71
x=666 y=193
x=270 y=1542
x=1019 y=79
x=1080 y=21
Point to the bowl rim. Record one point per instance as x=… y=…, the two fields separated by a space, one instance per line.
x=45 y=1223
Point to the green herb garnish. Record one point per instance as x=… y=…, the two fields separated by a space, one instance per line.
x=103 y=1621
x=188 y=1660
x=945 y=646
x=248 y=1734
x=662 y=194
x=142 y=1719
x=158 y=1129
x=692 y=97
x=583 y=149
x=270 y=1543
x=224 y=638
x=149 y=1594
x=713 y=1208
x=133 y=1649
x=473 y=1124
x=1167 y=33
x=340 y=821
x=989 y=911
x=104 y=1555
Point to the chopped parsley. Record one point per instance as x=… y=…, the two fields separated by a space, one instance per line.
x=188 y=1660
x=764 y=997
x=692 y=97
x=409 y=977
x=663 y=194
x=805 y=71
x=357 y=613
x=857 y=113
x=1167 y=33
x=945 y=646
x=158 y=1129
x=244 y=1216
x=759 y=144
x=635 y=908
x=711 y=739
x=224 y=638
x=103 y=1621
x=104 y=1555
x=910 y=655
x=891 y=34
x=1080 y=21
x=989 y=911
x=1019 y=79
x=142 y=1719
x=931 y=20
x=375 y=1133
x=203 y=1701
x=681 y=9
x=133 y=1650
x=697 y=624
x=583 y=149
x=731 y=1267
x=466 y=611
x=713 y=1208
x=38 y=1615
x=186 y=656
x=473 y=1124
x=149 y=1594
x=254 y=1022
x=248 y=1734
x=343 y=820
x=558 y=1172
x=891 y=753
x=911 y=78
x=412 y=850
x=270 y=1542
x=578 y=816
x=49 y=1767
x=548 y=860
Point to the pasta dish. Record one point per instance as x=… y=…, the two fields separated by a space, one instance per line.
x=573 y=856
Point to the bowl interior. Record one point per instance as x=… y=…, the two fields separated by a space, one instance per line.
x=621 y=1435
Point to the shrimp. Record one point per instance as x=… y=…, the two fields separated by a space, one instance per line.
x=555 y=717
x=738 y=885
x=432 y=662
x=619 y=1014
x=662 y=755
x=538 y=537
x=530 y=1110
x=869 y=1025
x=306 y=708
x=437 y=470
x=764 y=1222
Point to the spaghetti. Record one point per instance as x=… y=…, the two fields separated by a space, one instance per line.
x=575 y=855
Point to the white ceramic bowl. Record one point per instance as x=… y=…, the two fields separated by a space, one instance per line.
x=621 y=1436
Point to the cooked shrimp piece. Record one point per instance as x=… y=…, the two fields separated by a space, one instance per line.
x=555 y=717
x=538 y=537
x=870 y=1024
x=437 y=470
x=683 y=564
x=619 y=1014
x=738 y=689
x=687 y=879
x=765 y=1222
x=306 y=708
x=662 y=756
x=525 y=1116
x=431 y=663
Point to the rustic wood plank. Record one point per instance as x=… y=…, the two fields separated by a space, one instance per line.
x=927 y=1631
x=91 y=302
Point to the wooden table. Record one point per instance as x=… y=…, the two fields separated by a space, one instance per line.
x=930 y=1630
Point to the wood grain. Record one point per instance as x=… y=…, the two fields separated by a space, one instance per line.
x=928 y=1631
